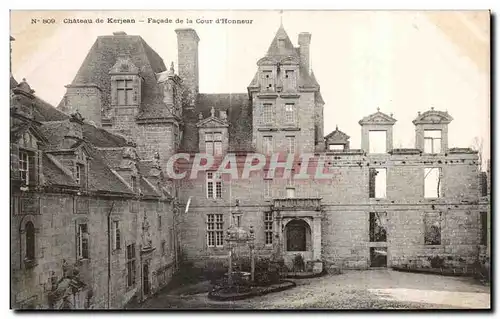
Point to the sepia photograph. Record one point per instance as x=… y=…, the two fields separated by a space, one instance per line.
x=250 y=160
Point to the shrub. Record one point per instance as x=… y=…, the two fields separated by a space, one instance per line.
x=214 y=271
x=437 y=262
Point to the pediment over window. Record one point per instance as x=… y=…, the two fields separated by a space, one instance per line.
x=378 y=118
x=267 y=61
x=337 y=137
x=124 y=65
x=289 y=60
x=27 y=135
x=433 y=117
x=213 y=121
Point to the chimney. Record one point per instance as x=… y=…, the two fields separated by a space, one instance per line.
x=304 y=43
x=187 y=50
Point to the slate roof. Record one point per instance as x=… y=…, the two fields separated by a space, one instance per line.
x=104 y=54
x=54 y=175
x=101 y=178
x=286 y=50
x=239 y=117
x=146 y=189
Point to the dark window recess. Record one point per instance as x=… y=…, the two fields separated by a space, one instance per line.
x=378 y=257
x=30 y=241
x=484 y=228
x=378 y=232
x=432 y=229
x=484 y=184
x=371 y=184
x=130 y=265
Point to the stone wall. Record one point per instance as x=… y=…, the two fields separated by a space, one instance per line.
x=55 y=217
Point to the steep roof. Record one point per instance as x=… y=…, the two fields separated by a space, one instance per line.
x=101 y=178
x=239 y=117
x=103 y=56
x=286 y=49
x=54 y=175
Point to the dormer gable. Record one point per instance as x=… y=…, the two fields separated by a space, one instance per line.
x=126 y=84
x=337 y=140
x=433 y=117
x=124 y=65
x=431 y=131
x=376 y=133
x=213 y=133
x=378 y=118
x=212 y=121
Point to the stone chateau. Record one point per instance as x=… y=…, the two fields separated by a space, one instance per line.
x=96 y=220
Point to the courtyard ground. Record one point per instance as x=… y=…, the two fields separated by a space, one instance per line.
x=368 y=289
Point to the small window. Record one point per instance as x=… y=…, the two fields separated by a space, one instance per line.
x=131 y=265
x=82 y=241
x=268 y=144
x=377 y=141
x=214 y=185
x=124 y=92
x=213 y=143
x=116 y=235
x=268 y=188
x=24 y=166
x=30 y=241
x=378 y=231
x=484 y=228
x=134 y=183
x=432 y=229
x=267 y=80
x=290 y=144
x=163 y=247
x=215 y=230
x=268 y=227
x=267 y=113
x=432 y=182
x=290 y=79
x=377 y=183
x=79 y=176
x=290 y=113
x=432 y=141
x=336 y=147
x=159 y=222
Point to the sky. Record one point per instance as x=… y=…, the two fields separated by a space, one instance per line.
x=400 y=62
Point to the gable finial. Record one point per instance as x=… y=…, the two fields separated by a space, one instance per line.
x=391 y=114
x=200 y=116
x=378 y=109
x=432 y=108
x=172 y=67
x=281 y=18
x=212 y=112
x=336 y=127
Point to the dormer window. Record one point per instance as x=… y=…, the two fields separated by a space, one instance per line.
x=78 y=173
x=336 y=147
x=432 y=141
x=377 y=142
x=281 y=43
x=290 y=81
x=267 y=80
x=213 y=143
x=290 y=113
x=125 y=92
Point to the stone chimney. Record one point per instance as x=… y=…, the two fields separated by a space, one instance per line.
x=187 y=50
x=304 y=44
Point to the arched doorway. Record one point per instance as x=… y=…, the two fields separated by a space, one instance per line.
x=298 y=236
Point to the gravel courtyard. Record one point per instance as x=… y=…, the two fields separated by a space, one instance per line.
x=369 y=289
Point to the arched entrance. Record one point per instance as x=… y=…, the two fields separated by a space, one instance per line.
x=298 y=236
